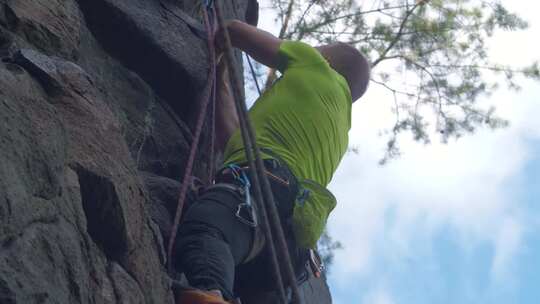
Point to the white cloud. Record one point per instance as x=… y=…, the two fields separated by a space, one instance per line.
x=378 y=296
x=523 y=46
x=465 y=186
x=507 y=243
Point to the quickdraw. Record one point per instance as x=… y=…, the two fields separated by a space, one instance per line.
x=245 y=212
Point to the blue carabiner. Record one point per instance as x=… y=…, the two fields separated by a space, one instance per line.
x=234 y=170
x=241 y=176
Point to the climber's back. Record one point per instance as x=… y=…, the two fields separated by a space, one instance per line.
x=304 y=117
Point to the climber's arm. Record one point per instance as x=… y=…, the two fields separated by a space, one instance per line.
x=259 y=44
x=226 y=117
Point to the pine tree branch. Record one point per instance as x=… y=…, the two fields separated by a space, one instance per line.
x=480 y=67
x=359 y=13
x=299 y=23
x=288 y=14
x=384 y=85
x=397 y=37
x=286 y=20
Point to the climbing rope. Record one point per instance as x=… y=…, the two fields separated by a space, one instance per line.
x=261 y=186
x=212 y=161
x=257 y=170
x=253 y=74
x=208 y=97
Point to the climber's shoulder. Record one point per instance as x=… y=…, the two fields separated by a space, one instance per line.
x=298 y=54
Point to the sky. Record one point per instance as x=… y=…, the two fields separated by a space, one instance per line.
x=444 y=223
x=455 y=223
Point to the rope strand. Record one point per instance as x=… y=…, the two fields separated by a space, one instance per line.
x=261 y=186
x=256 y=167
x=206 y=97
x=253 y=74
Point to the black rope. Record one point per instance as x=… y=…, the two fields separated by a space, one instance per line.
x=253 y=74
x=241 y=111
x=256 y=167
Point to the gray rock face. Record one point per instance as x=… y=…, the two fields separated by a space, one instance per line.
x=97 y=99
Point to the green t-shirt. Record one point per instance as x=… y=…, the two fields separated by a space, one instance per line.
x=304 y=118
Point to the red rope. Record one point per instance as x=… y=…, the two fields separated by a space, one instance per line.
x=212 y=160
x=206 y=97
x=256 y=165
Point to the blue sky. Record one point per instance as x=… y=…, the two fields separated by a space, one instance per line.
x=439 y=269
x=456 y=223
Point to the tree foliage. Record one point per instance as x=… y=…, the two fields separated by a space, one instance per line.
x=326 y=248
x=431 y=55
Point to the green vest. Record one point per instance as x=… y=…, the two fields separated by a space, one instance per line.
x=304 y=118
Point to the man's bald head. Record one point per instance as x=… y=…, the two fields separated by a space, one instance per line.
x=349 y=63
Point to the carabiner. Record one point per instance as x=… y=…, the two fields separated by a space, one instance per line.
x=252 y=220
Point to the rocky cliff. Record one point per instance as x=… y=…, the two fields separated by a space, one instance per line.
x=97 y=99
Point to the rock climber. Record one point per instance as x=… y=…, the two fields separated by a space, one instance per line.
x=301 y=124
